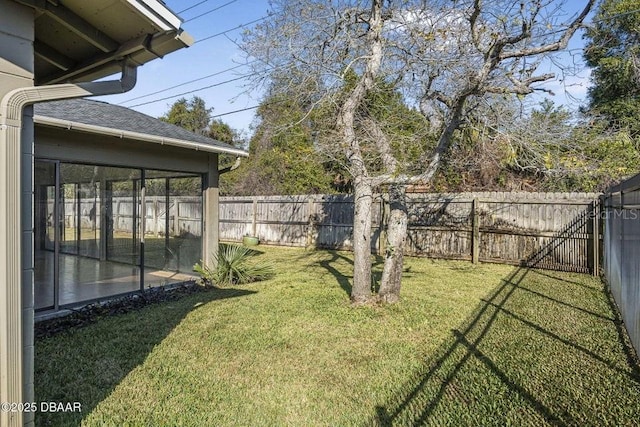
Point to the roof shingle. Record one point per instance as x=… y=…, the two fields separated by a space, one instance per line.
x=97 y=113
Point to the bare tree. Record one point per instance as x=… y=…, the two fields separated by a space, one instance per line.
x=446 y=56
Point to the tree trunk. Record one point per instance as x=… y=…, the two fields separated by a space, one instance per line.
x=363 y=199
x=394 y=250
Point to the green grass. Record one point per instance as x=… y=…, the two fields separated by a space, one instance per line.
x=467 y=345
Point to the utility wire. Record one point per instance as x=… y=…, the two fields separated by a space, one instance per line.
x=249 y=75
x=210 y=11
x=186 y=83
x=232 y=29
x=195 y=5
x=235 y=111
x=264 y=104
x=200 y=78
x=194 y=90
x=616 y=15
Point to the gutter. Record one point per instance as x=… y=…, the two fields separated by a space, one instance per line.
x=157 y=12
x=118 y=133
x=12 y=277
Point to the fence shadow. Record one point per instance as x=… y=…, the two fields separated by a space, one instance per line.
x=516 y=360
x=562 y=246
x=521 y=357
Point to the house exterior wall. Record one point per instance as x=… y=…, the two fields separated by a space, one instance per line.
x=16 y=196
x=16 y=71
x=82 y=147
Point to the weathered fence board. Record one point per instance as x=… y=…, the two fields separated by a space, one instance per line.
x=549 y=230
x=183 y=216
x=621 y=218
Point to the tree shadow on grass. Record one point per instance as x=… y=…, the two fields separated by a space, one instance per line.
x=328 y=264
x=86 y=364
x=345 y=281
x=524 y=358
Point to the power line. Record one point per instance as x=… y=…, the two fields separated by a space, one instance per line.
x=195 y=5
x=186 y=83
x=235 y=111
x=210 y=11
x=194 y=90
x=232 y=29
x=616 y=15
x=264 y=104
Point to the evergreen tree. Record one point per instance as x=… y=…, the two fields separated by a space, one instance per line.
x=282 y=155
x=222 y=132
x=613 y=51
x=192 y=115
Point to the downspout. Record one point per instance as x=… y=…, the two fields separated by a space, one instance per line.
x=11 y=230
x=235 y=166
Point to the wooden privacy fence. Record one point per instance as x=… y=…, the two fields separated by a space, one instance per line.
x=182 y=216
x=546 y=230
x=621 y=215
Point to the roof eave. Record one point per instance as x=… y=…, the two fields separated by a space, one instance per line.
x=138 y=51
x=157 y=13
x=155 y=32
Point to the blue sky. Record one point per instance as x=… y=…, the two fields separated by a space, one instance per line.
x=220 y=53
x=202 y=59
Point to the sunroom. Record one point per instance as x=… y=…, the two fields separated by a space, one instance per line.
x=122 y=202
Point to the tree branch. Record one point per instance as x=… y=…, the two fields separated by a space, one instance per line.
x=520 y=87
x=556 y=46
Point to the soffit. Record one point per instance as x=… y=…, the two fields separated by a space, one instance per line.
x=82 y=40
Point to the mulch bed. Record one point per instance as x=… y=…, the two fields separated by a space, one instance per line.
x=93 y=312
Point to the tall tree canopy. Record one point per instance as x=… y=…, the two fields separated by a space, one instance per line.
x=190 y=114
x=282 y=155
x=548 y=149
x=447 y=58
x=613 y=52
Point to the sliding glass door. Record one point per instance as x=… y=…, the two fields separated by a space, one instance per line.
x=172 y=225
x=45 y=207
x=102 y=231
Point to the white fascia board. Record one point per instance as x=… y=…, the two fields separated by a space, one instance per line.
x=157 y=13
x=138 y=136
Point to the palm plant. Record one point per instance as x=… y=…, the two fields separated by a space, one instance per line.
x=233 y=266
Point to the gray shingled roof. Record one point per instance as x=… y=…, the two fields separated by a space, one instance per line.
x=97 y=113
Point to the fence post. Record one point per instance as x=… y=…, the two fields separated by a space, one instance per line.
x=156 y=230
x=475 y=240
x=254 y=218
x=311 y=225
x=116 y=219
x=596 y=238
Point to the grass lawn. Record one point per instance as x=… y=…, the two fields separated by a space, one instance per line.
x=468 y=345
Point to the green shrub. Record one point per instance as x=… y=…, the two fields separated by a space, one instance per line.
x=234 y=266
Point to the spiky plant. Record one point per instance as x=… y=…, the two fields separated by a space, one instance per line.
x=233 y=266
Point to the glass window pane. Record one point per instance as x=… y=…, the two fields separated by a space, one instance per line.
x=99 y=243
x=102 y=216
x=186 y=196
x=44 y=234
x=173 y=226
